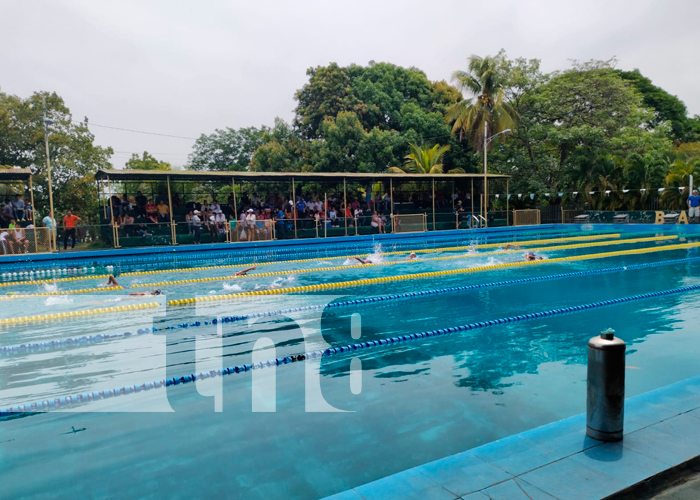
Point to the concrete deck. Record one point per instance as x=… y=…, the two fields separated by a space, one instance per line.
x=558 y=461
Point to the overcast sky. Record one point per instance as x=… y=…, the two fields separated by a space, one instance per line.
x=187 y=67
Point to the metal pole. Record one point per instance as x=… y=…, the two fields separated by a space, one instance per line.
x=104 y=202
x=294 y=208
x=235 y=208
x=31 y=197
x=345 y=206
x=173 y=232
x=486 y=186
x=48 y=169
x=507 y=201
x=605 y=404
x=433 y=204
x=472 y=196
x=391 y=200
x=325 y=215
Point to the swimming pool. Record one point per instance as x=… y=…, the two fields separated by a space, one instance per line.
x=421 y=398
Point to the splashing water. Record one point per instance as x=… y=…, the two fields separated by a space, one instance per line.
x=50 y=287
x=281 y=282
x=60 y=299
x=324 y=263
x=233 y=288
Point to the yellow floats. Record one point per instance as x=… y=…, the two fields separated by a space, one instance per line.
x=369 y=281
x=77 y=314
x=62 y=292
x=449 y=257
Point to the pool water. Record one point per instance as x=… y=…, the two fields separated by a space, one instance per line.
x=419 y=400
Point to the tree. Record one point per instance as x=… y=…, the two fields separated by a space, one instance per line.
x=227 y=149
x=423 y=161
x=666 y=107
x=146 y=162
x=74 y=156
x=488 y=109
x=678 y=181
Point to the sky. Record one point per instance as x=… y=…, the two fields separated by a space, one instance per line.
x=187 y=67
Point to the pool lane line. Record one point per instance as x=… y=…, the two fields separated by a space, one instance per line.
x=85 y=397
x=404 y=261
x=77 y=314
x=370 y=281
x=233 y=266
x=60 y=292
x=356 y=302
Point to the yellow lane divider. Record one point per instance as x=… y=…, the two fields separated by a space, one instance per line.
x=424 y=250
x=231 y=266
x=396 y=262
x=347 y=284
x=62 y=292
x=75 y=314
x=56 y=280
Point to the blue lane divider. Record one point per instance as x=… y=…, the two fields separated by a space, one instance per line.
x=146 y=386
x=230 y=319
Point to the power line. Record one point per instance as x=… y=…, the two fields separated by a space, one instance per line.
x=140 y=152
x=141 y=132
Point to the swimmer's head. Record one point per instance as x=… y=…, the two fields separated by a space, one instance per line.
x=157 y=292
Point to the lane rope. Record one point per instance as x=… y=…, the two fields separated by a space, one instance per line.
x=357 y=302
x=405 y=261
x=75 y=314
x=86 y=397
x=370 y=281
x=10 y=296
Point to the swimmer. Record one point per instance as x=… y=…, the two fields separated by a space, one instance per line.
x=531 y=256
x=245 y=271
x=110 y=281
x=361 y=261
x=512 y=246
x=411 y=256
x=141 y=294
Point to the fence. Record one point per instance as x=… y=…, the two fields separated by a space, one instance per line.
x=410 y=223
x=526 y=217
x=19 y=240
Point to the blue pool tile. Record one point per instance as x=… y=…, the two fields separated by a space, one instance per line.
x=695 y=413
x=682 y=427
x=463 y=473
x=570 y=480
x=516 y=489
x=407 y=485
x=661 y=445
x=682 y=396
x=643 y=411
x=475 y=496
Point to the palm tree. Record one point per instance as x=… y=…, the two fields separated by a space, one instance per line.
x=424 y=161
x=603 y=176
x=489 y=106
x=679 y=177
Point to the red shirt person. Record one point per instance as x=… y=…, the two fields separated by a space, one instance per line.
x=69 y=222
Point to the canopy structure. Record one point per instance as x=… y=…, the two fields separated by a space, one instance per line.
x=299 y=178
x=191 y=175
x=15 y=174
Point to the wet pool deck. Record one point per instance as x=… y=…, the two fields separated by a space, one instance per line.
x=558 y=461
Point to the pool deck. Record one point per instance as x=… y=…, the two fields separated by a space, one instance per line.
x=558 y=461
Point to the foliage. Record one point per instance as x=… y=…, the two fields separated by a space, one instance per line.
x=227 y=149
x=146 y=162
x=74 y=156
x=423 y=161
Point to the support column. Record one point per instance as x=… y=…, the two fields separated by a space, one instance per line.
x=294 y=208
x=391 y=200
x=472 y=197
x=235 y=208
x=173 y=231
x=325 y=215
x=486 y=201
x=31 y=197
x=507 y=202
x=433 y=204
x=345 y=206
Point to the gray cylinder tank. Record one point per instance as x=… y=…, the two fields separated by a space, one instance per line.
x=605 y=405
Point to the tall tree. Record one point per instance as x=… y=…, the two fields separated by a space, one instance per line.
x=423 y=161
x=488 y=108
x=227 y=149
x=146 y=162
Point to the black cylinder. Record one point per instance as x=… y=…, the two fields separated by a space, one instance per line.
x=605 y=405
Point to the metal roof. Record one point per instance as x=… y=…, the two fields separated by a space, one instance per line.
x=191 y=175
x=15 y=174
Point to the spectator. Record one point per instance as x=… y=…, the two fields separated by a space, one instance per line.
x=28 y=209
x=18 y=207
x=141 y=202
x=214 y=207
x=188 y=219
x=250 y=224
x=163 y=212
x=377 y=222
x=213 y=229
x=5 y=242
x=220 y=221
x=128 y=224
x=280 y=224
x=152 y=212
x=69 y=229
x=333 y=216
x=6 y=213
x=196 y=226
